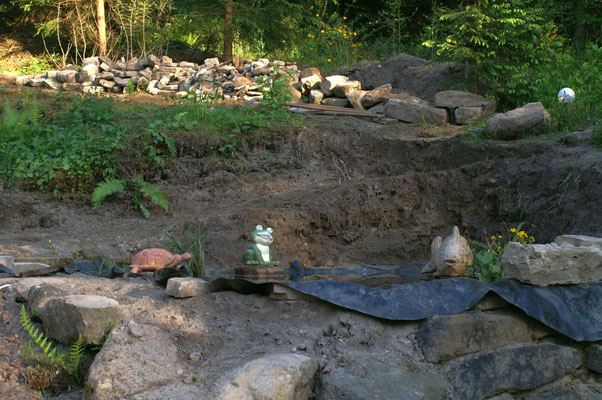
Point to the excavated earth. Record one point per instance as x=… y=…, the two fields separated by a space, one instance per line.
x=336 y=191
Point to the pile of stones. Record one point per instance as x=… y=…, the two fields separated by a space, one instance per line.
x=242 y=79
x=237 y=79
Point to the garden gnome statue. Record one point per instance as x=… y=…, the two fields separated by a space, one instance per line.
x=449 y=256
x=259 y=252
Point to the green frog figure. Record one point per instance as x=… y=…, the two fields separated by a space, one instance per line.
x=259 y=252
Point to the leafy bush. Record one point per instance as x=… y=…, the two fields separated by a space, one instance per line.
x=137 y=188
x=487 y=265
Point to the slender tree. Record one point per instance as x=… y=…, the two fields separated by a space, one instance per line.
x=102 y=27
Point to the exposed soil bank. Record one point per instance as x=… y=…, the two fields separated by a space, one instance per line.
x=338 y=191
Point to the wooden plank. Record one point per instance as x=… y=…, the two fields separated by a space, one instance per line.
x=333 y=109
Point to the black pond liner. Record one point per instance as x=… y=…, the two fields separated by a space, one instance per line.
x=573 y=310
x=98 y=268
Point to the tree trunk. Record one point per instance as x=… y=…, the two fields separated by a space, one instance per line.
x=102 y=27
x=227 y=31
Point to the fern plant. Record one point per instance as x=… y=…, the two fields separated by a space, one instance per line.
x=68 y=361
x=137 y=187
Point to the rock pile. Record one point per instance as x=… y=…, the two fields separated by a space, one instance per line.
x=237 y=79
x=240 y=79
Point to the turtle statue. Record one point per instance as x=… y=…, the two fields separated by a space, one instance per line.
x=259 y=252
x=154 y=259
x=449 y=256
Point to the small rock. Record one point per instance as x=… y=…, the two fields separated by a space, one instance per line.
x=311 y=71
x=375 y=96
x=187 y=287
x=195 y=356
x=336 y=102
x=315 y=96
x=343 y=89
x=25 y=269
x=593 y=357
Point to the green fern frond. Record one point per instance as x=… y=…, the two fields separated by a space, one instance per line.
x=40 y=339
x=171 y=145
x=10 y=117
x=138 y=204
x=32 y=111
x=108 y=187
x=151 y=192
x=75 y=355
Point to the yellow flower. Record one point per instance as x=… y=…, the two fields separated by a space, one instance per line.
x=532 y=238
x=512 y=230
x=344 y=17
x=353 y=45
x=18 y=123
x=49 y=241
x=499 y=236
x=329 y=60
x=492 y=237
x=322 y=31
x=317 y=15
x=310 y=35
x=522 y=234
x=354 y=33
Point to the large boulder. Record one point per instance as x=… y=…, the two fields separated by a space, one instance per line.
x=415 y=113
x=65 y=318
x=510 y=369
x=134 y=358
x=88 y=73
x=571 y=259
x=516 y=123
x=446 y=337
x=366 y=377
x=278 y=376
x=455 y=98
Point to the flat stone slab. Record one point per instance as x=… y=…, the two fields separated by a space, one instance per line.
x=510 y=369
x=571 y=259
x=26 y=269
x=187 y=287
x=415 y=113
x=446 y=337
x=260 y=272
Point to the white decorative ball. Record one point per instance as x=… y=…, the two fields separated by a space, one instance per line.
x=566 y=95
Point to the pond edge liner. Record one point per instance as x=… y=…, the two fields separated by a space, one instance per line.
x=572 y=310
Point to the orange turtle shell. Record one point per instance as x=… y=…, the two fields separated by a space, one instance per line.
x=154 y=259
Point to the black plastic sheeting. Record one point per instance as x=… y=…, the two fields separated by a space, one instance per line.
x=573 y=310
x=98 y=268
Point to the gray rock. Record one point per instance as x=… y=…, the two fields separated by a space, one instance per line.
x=24 y=80
x=211 y=62
x=91 y=60
x=405 y=97
x=67 y=76
x=66 y=317
x=278 y=376
x=226 y=69
x=367 y=378
x=106 y=83
x=330 y=82
x=25 y=269
x=187 y=287
x=446 y=337
x=316 y=96
x=162 y=82
x=343 y=89
x=455 y=98
x=73 y=87
x=51 y=83
x=39 y=295
x=572 y=259
x=509 y=369
x=310 y=83
x=150 y=350
x=376 y=95
x=311 y=71
x=593 y=357
x=356 y=97
x=517 y=122
x=121 y=82
x=153 y=60
x=166 y=60
x=105 y=67
x=7 y=261
x=415 y=113
x=468 y=115
x=335 y=101
x=88 y=73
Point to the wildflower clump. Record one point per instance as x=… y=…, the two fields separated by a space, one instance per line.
x=487 y=265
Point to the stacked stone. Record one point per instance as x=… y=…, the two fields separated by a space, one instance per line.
x=236 y=79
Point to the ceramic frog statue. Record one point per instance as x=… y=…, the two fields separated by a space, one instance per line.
x=259 y=252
